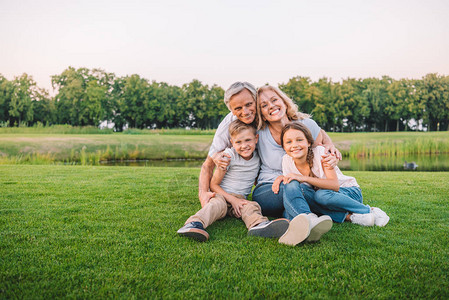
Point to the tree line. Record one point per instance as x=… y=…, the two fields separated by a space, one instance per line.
x=87 y=97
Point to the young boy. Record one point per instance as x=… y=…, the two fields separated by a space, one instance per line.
x=232 y=186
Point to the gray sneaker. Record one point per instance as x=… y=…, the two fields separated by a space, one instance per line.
x=194 y=230
x=270 y=229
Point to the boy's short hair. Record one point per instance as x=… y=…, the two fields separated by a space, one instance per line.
x=238 y=126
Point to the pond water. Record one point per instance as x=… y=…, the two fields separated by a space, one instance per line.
x=438 y=162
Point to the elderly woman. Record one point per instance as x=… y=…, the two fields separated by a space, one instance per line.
x=275 y=110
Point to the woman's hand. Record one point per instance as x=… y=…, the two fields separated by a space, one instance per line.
x=330 y=148
x=276 y=184
x=329 y=161
x=297 y=177
x=221 y=160
x=237 y=205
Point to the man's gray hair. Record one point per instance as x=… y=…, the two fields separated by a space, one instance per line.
x=236 y=88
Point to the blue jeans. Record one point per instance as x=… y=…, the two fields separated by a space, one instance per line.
x=271 y=203
x=295 y=197
x=347 y=199
x=301 y=198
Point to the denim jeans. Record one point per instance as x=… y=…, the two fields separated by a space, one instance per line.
x=293 y=199
x=271 y=203
x=347 y=199
x=301 y=198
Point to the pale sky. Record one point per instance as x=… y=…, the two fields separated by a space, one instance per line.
x=223 y=41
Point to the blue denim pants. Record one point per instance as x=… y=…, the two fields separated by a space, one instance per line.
x=347 y=199
x=293 y=199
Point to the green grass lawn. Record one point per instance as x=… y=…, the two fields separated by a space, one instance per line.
x=97 y=232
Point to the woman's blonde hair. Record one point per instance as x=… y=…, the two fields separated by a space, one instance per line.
x=292 y=109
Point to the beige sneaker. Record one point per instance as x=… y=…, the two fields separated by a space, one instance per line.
x=298 y=230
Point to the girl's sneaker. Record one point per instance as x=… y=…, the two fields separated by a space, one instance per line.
x=318 y=227
x=380 y=217
x=363 y=219
x=298 y=230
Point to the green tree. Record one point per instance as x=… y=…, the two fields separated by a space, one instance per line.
x=6 y=90
x=351 y=107
x=196 y=104
x=324 y=97
x=44 y=108
x=297 y=88
x=135 y=98
x=433 y=91
x=20 y=108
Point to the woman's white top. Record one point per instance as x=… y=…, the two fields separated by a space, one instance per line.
x=288 y=166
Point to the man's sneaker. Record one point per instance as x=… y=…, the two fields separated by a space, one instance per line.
x=298 y=230
x=380 y=217
x=318 y=226
x=194 y=230
x=362 y=219
x=270 y=229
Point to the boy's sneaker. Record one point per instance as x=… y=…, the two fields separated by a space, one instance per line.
x=362 y=219
x=318 y=226
x=194 y=230
x=270 y=229
x=380 y=217
x=298 y=230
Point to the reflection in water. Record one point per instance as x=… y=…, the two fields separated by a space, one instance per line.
x=400 y=163
x=410 y=166
x=380 y=163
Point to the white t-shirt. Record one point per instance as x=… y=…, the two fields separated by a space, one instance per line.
x=222 y=139
x=271 y=152
x=288 y=166
x=240 y=174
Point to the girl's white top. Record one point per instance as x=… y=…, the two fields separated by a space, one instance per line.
x=288 y=166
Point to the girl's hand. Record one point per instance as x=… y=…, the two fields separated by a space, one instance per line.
x=221 y=160
x=276 y=184
x=329 y=161
x=297 y=177
x=237 y=205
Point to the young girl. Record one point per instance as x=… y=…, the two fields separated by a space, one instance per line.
x=334 y=190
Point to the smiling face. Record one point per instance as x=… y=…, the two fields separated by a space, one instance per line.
x=295 y=144
x=272 y=107
x=244 y=143
x=243 y=106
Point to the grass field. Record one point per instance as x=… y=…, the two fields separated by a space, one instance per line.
x=40 y=147
x=110 y=232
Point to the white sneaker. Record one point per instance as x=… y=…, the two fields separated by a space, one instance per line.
x=298 y=230
x=362 y=219
x=380 y=217
x=318 y=226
